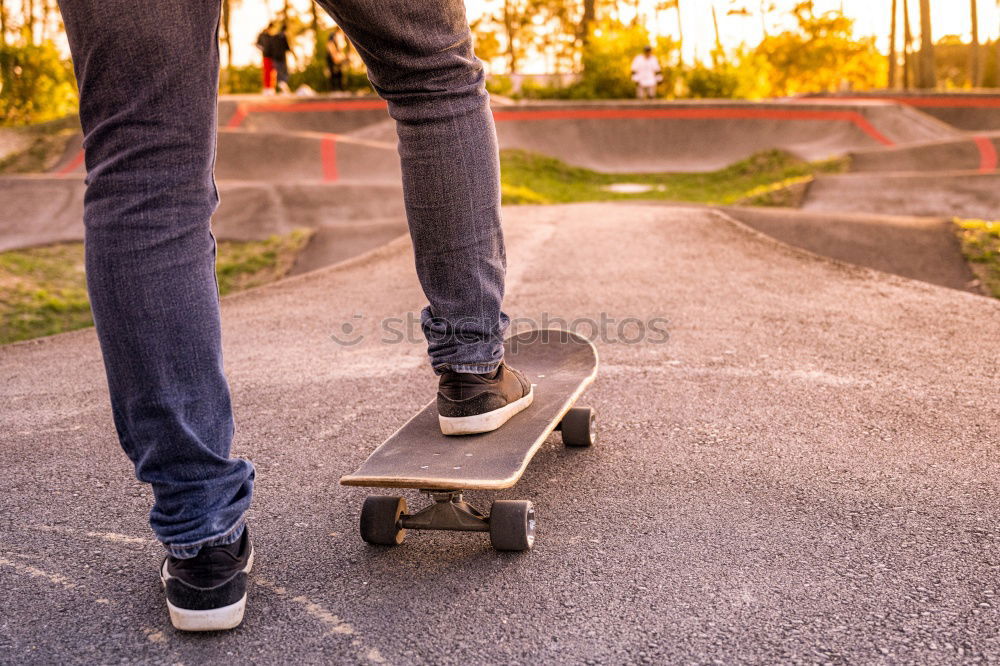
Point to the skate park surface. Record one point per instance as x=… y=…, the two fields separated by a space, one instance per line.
x=805 y=471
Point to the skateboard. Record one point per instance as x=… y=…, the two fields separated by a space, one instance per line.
x=560 y=365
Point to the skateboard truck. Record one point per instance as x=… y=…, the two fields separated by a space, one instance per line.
x=448 y=512
x=511 y=523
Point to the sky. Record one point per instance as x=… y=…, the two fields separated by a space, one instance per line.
x=951 y=17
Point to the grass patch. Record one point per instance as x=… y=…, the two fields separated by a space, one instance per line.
x=532 y=178
x=43 y=290
x=46 y=144
x=981 y=245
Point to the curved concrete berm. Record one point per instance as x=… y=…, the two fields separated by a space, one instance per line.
x=972 y=152
x=705 y=136
x=806 y=470
x=48 y=209
x=633 y=137
x=920 y=248
x=966 y=194
x=971 y=111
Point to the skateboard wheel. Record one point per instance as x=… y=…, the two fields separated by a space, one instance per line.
x=512 y=525
x=380 y=520
x=579 y=427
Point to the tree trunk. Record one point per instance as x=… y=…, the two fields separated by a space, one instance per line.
x=680 y=34
x=718 y=52
x=3 y=23
x=227 y=32
x=928 y=77
x=907 y=43
x=29 y=22
x=996 y=59
x=589 y=16
x=508 y=25
x=892 y=47
x=974 y=66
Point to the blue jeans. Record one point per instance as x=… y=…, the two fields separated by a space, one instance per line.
x=148 y=82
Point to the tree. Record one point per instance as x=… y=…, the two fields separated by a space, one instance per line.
x=587 y=21
x=820 y=55
x=227 y=34
x=3 y=23
x=667 y=5
x=509 y=23
x=29 y=22
x=892 y=48
x=907 y=44
x=927 y=75
x=718 y=53
x=974 y=66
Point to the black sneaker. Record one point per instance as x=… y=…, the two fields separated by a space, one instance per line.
x=208 y=592
x=469 y=404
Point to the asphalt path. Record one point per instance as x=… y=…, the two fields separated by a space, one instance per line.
x=806 y=471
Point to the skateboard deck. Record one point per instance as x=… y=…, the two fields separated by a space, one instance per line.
x=560 y=365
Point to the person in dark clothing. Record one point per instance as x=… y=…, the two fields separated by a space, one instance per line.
x=264 y=46
x=278 y=51
x=335 y=62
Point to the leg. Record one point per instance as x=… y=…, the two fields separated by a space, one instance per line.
x=148 y=83
x=282 y=68
x=268 y=73
x=420 y=59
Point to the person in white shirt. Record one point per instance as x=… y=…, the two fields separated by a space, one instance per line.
x=646 y=73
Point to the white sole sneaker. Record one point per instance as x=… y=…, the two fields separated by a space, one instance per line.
x=215 y=619
x=212 y=619
x=480 y=423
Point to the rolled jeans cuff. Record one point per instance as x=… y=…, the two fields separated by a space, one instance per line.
x=186 y=551
x=471 y=369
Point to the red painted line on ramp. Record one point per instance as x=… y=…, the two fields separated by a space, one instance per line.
x=328 y=152
x=968 y=102
x=987 y=154
x=72 y=165
x=853 y=117
x=244 y=110
x=238 y=116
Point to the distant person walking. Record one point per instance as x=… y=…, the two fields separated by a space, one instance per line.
x=646 y=74
x=278 y=50
x=335 y=63
x=267 y=66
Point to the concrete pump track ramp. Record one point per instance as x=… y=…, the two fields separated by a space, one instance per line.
x=330 y=162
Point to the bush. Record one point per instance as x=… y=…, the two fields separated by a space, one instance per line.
x=36 y=85
x=235 y=80
x=500 y=85
x=722 y=81
x=313 y=75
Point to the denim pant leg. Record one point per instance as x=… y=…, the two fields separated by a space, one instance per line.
x=148 y=78
x=420 y=59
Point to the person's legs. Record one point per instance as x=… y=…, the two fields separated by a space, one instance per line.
x=268 y=74
x=281 y=68
x=420 y=59
x=148 y=84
